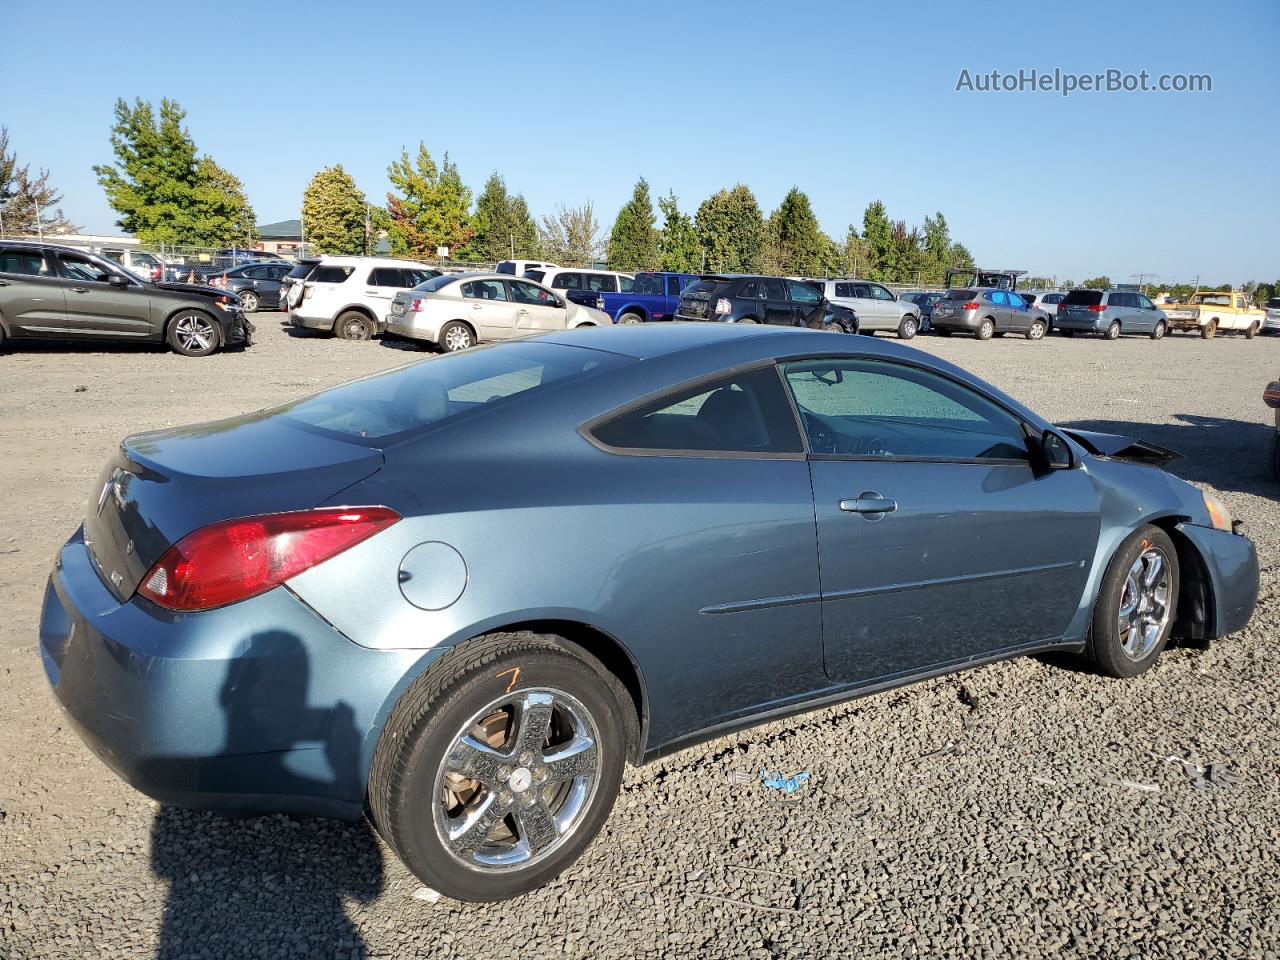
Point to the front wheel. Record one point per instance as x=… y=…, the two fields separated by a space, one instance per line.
x=249 y=302
x=1136 y=605
x=456 y=335
x=986 y=329
x=908 y=327
x=354 y=325
x=630 y=318
x=1157 y=332
x=499 y=766
x=1036 y=331
x=193 y=334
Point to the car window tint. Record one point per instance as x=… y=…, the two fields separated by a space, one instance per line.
x=567 y=281
x=624 y=284
x=506 y=266
x=1053 y=298
x=330 y=273
x=773 y=289
x=535 y=274
x=646 y=284
x=485 y=290
x=844 y=290
x=1083 y=298
x=802 y=292
x=437 y=283
x=416 y=275
x=601 y=283
x=30 y=263
x=528 y=293
x=750 y=290
x=386 y=277
x=701 y=286
x=880 y=293
x=673 y=285
x=875 y=408
x=77 y=267
x=862 y=290
x=745 y=413
x=387 y=407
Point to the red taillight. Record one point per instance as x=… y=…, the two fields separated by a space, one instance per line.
x=1097 y=308
x=971 y=305
x=237 y=559
x=415 y=305
x=723 y=307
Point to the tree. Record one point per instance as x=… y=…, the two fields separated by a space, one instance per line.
x=958 y=255
x=937 y=248
x=572 y=236
x=678 y=241
x=433 y=209
x=798 y=237
x=877 y=241
x=906 y=254
x=1098 y=283
x=25 y=200
x=852 y=254
x=163 y=189
x=633 y=242
x=731 y=230
x=333 y=214
x=502 y=225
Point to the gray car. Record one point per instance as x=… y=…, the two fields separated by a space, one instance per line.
x=876 y=306
x=50 y=292
x=462 y=594
x=1271 y=324
x=987 y=313
x=1109 y=313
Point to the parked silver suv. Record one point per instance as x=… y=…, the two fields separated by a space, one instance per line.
x=51 y=292
x=987 y=313
x=876 y=307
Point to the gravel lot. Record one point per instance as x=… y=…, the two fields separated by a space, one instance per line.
x=1023 y=808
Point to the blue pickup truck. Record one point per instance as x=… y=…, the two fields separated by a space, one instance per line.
x=653 y=296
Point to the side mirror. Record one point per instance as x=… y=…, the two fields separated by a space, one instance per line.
x=1055 y=452
x=116 y=280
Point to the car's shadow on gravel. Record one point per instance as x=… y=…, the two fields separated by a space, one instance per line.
x=271 y=886
x=1231 y=455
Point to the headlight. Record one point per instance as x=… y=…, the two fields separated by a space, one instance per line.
x=1218 y=511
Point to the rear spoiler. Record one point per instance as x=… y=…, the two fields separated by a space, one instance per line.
x=1122 y=448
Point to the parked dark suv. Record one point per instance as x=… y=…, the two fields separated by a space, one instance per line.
x=256 y=284
x=49 y=292
x=747 y=298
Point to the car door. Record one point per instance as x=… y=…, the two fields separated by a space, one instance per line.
x=1146 y=313
x=1019 y=313
x=99 y=308
x=268 y=287
x=537 y=309
x=886 y=304
x=938 y=541
x=806 y=301
x=382 y=286
x=775 y=305
x=865 y=304
x=32 y=301
x=488 y=308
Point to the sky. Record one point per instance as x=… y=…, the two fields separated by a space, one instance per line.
x=571 y=102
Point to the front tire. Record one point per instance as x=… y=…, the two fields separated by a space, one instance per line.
x=456 y=335
x=193 y=334
x=630 y=318
x=1158 y=331
x=986 y=329
x=353 y=325
x=908 y=328
x=1136 y=605
x=499 y=766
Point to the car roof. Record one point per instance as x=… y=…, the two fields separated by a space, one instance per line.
x=353 y=261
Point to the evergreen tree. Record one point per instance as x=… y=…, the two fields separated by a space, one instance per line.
x=797 y=235
x=853 y=257
x=433 y=209
x=906 y=254
x=222 y=214
x=497 y=227
x=877 y=242
x=678 y=242
x=633 y=242
x=958 y=255
x=25 y=199
x=526 y=241
x=334 y=213
x=937 y=246
x=731 y=230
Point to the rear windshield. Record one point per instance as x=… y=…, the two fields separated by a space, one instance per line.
x=381 y=409
x=437 y=283
x=302 y=269
x=1082 y=298
x=701 y=286
x=961 y=294
x=506 y=266
x=328 y=273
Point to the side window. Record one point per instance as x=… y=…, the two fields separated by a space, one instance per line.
x=873 y=408
x=1053 y=298
x=802 y=292
x=387 y=277
x=844 y=290
x=745 y=413
x=773 y=289
x=76 y=267
x=993 y=296
x=485 y=290
x=328 y=273
x=23 y=261
x=862 y=291
x=880 y=293
x=1145 y=303
x=624 y=284
x=258 y=273
x=602 y=283
x=673 y=286
x=750 y=290
x=528 y=293
x=566 y=281
x=1118 y=300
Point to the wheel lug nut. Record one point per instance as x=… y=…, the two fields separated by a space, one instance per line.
x=526 y=758
x=505 y=796
x=540 y=774
x=504 y=773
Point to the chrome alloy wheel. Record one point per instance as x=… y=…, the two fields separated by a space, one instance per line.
x=457 y=338
x=517 y=780
x=195 y=332
x=1145 y=609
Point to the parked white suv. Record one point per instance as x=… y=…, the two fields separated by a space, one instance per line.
x=350 y=296
x=876 y=307
x=456 y=312
x=582 y=279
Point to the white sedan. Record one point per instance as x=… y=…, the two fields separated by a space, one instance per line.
x=455 y=312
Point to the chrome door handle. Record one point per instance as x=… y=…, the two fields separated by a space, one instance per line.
x=79 y=289
x=869 y=502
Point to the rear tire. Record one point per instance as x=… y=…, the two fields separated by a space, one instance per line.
x=748 y=320
x=454 y=748
x=986 y=330
x=1036 y=331
x=1157 y=332
x=630 y=318
x=908 y=328
x=1146 y=610
x=456 y=335
x=1251 y=332
x=353 y=325
x=1113 y=331
x=249 y=302
x=192 y=333
x=1209 y=331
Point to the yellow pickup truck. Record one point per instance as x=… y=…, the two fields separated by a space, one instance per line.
x=1215 y=311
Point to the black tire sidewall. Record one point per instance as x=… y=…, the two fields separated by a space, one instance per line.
x=1105 y=649
x=444 y=336
x=414 y=829
x=340 y=326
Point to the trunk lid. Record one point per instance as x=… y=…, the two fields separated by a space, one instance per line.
x=161 y=486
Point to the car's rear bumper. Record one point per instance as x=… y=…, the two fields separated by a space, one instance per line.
x=1080 y=324
x=1231 y=562
x=260 y=706
x=955 y=321
x=298 y=318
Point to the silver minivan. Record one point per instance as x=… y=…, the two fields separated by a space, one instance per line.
x=1109 y=313
x=876 y=307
